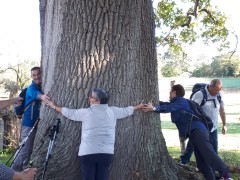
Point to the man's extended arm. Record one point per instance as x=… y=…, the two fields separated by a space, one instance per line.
x=6 y=103
x=223 y=117
x=43 y=97
x=9 y=174
x=27 y=174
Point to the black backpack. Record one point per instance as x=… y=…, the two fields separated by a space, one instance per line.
x=201 y=87
x=20 y=108
x=200 y=115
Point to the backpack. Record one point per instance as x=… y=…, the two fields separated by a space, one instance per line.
x=201 y=87
x=200 y=115
x=20 y=108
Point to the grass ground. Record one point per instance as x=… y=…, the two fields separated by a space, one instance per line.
x=230 y=157
x=233 y=128
x=5 y=155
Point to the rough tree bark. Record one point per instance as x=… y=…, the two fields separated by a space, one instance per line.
x=108 y=44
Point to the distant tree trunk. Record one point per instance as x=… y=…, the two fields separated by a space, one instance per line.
x=11 y=129
x=108 y=44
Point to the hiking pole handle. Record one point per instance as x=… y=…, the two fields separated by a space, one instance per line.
x=58 y=125
x=55 y=129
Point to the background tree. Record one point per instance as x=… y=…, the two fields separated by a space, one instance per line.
x=221 y=66
x=107 y=44
x=204 y=70
x=235 y=61
x=186 y=21
x=182 y=23
x=19 y=72
x=174 y=63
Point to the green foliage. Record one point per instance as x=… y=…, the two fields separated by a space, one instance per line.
x=174 y=63
x=5 y=155
x=203 y=71
x=184 y=21
x=221 y=66
x=233 y=128
x=169 y=71
x=231 y=157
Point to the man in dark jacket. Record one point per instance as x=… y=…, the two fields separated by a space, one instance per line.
x=206 y=158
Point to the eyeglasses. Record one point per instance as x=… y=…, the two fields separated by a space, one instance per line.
x=91 y=97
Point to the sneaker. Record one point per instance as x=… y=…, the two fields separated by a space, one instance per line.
x=183 y=164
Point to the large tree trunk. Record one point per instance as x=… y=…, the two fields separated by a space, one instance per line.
x=108 y=44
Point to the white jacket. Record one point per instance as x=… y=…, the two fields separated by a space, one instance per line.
x=98 y=126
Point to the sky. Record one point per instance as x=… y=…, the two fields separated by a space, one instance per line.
x=20 y=30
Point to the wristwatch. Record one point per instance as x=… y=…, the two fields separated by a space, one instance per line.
x=154 y=109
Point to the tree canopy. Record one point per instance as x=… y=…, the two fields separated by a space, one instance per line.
x=185 y=21
x=221 y=66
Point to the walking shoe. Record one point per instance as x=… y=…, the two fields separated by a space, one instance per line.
x=183 y=164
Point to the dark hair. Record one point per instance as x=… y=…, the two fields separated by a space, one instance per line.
x=179 y=90
x=101 y=95
x=36 y=68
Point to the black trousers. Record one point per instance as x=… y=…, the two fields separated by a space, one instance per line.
x=95 y=166
x=207 y=159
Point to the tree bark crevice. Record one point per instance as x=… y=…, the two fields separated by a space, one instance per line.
x=111 y=45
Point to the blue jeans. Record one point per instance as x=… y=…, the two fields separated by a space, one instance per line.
x=214 y=140
x=207 y=159
x=185 y=158
x=95 y=166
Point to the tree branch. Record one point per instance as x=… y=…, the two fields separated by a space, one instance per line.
x=236 y=45
x=194 y=13
x=188 y=22
x=209 y=14
x=195 y=10
x=166 y=37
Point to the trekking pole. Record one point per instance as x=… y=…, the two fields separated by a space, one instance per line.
x=52 y=135
x=22 y=144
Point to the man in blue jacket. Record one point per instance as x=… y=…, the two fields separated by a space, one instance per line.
x=206 y=158
x=34 y=96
